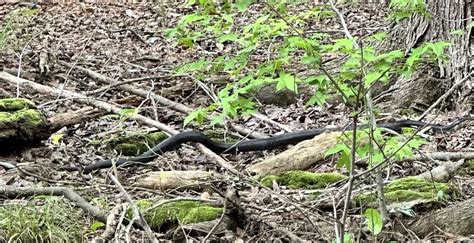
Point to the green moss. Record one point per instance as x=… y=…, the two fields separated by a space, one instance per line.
x=15 y=104
x=408 y=189
x=200 y=214
x=184 y=212
x=133 y=143
x=467 y=169
x=303 y=179
x=408 y=195
x=26 y=117
x=470 y=164
x=417 y=184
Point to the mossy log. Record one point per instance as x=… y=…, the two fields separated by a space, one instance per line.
x=21 y=123
x=132 y=143
x=303 y=179
x=174 y=216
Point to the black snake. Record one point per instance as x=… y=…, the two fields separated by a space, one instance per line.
x=248 y=145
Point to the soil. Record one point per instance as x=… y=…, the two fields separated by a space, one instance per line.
x=128 y=41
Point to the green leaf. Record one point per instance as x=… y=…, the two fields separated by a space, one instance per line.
x=336 y=149
x=416 y=142
x=97 y=225
x=229 y=18
x=374 y=221
x=171 y=32
x=188 y=19
x=370 y=78
x=228 y=37
x=390 y=56
x=344 y=161
x=318 y=98
x=310 y=60
x=190 y=2
x=217 y=120
x=346 y=45
x=186 y=41
x=192 y=67
x=347 y=238
x=296 y=41
x=197 y=115
x=320 y=80
x=437 y=48
x=377 y=158
x=288 y=81
x=56 y=137
x=127 y=113
x=378 y=36
x=469 y=26
x=242 y=5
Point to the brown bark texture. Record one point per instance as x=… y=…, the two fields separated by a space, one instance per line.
x=457 y=219
x=431 y=81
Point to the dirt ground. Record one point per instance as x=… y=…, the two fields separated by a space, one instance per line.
x=128 y=42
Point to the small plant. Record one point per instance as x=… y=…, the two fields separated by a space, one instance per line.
x=290 y=48
x=12 y=25
x=402 y=9
x=44 y=219
x=373 y=221
x=397 y=147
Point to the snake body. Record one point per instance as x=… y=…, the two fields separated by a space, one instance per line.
x=249 y=145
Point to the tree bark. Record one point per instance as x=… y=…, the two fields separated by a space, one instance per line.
x=457 y=219
x=430 y=82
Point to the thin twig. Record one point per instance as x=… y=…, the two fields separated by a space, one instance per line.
x=136 y=212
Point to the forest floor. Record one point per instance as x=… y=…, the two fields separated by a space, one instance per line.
x=128 y=42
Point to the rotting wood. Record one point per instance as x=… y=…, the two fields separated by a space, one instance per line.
x=74 y=117
x=165 y=180
x=457 y=219
x=299 y=157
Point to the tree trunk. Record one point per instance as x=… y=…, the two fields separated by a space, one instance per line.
x=457 y=219
x=430 y=82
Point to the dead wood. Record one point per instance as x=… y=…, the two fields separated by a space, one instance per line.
x=457 y=219
x=129 y=88
x=22 y=74
x=27 y=127
x=443 y=172
x=165 y=180
x=12 y=80
x=21 y=125
x=219 y=225
x=158 y=98
x=299 y=157
x=113 y=220
x=137 y=217
x=65 y=119
x=442 y=156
